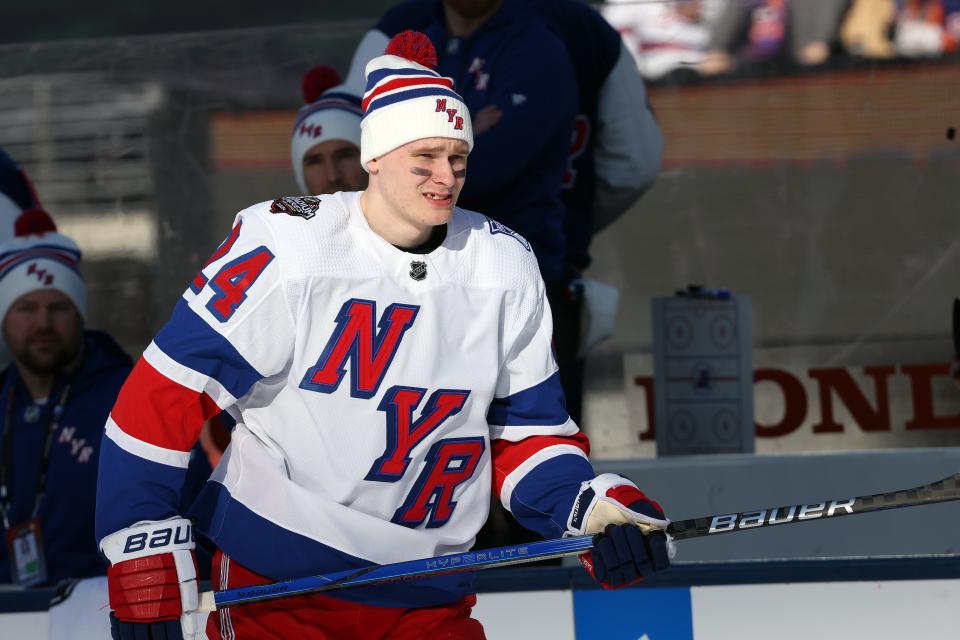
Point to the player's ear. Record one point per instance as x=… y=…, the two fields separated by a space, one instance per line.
x=373 y=166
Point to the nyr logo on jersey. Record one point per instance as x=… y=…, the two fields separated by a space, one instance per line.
x=403 y=433
x=496 y=227
x=449 y=463
x=418 y=270
x=369 y=347
x=452 y=116
x=300 y=206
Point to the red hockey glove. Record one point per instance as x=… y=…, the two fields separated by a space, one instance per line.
x=634 y=543
x=152 y=580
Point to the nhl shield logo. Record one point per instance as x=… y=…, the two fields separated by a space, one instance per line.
x=418 y=270
x=300 y=206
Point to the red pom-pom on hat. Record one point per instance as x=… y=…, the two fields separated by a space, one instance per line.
x=317 y=80
x=413 y=46
x=33 y=222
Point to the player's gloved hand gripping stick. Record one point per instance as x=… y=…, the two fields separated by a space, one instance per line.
x=152 y=581
x=634 y=543
x=944 y=490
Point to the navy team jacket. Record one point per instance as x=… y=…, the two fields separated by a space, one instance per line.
x=67 y=510
x=594 y=48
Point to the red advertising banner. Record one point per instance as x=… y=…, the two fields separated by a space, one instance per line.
x=816 y=407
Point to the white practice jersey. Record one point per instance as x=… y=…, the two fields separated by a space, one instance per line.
x=379 y=395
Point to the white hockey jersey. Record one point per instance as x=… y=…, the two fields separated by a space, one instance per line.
x=379 y=396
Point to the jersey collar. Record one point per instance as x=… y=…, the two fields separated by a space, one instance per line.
x=412 y=270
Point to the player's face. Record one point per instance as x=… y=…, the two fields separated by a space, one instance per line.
x=333 y=165
x=421 y=180
x=43 y=331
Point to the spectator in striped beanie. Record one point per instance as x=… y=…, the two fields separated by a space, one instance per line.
x=325 y=147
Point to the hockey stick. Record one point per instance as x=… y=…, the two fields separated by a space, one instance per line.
x=942 y=491
x=455 y=563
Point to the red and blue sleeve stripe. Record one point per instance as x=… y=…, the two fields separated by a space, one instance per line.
x=539 y=456
x=155 y=410
x=537 y=410
x=185 y=377
x=538 y=478
x=132 y=489
x=189 y=341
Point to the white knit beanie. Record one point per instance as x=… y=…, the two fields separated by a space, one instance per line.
x=332 y=113
x=405 y=100
x=49 y=260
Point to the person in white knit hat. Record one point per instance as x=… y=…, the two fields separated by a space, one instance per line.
x=54 y=399
x=43 y=304
x=325 y=145
x=441 y=318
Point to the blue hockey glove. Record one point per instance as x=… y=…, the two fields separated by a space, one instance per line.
x=633 y=544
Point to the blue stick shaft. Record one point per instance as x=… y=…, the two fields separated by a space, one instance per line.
x=469 y=561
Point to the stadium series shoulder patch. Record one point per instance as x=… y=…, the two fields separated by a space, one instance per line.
x=300 y=206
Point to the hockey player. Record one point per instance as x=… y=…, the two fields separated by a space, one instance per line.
x=387 y=357
x=612 y=154
x=612 y=158
x=325 y=145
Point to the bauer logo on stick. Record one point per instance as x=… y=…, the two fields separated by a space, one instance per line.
x=779 y=515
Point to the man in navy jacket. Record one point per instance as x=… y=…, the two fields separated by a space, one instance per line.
x=54 y=400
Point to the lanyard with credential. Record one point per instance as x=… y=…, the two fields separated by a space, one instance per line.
x=53 y=422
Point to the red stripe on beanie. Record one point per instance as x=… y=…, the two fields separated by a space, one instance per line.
x=400 y=83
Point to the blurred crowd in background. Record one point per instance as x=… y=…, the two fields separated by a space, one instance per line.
x=686 y=39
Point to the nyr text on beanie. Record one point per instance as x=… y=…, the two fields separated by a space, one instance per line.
x=48 y=260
